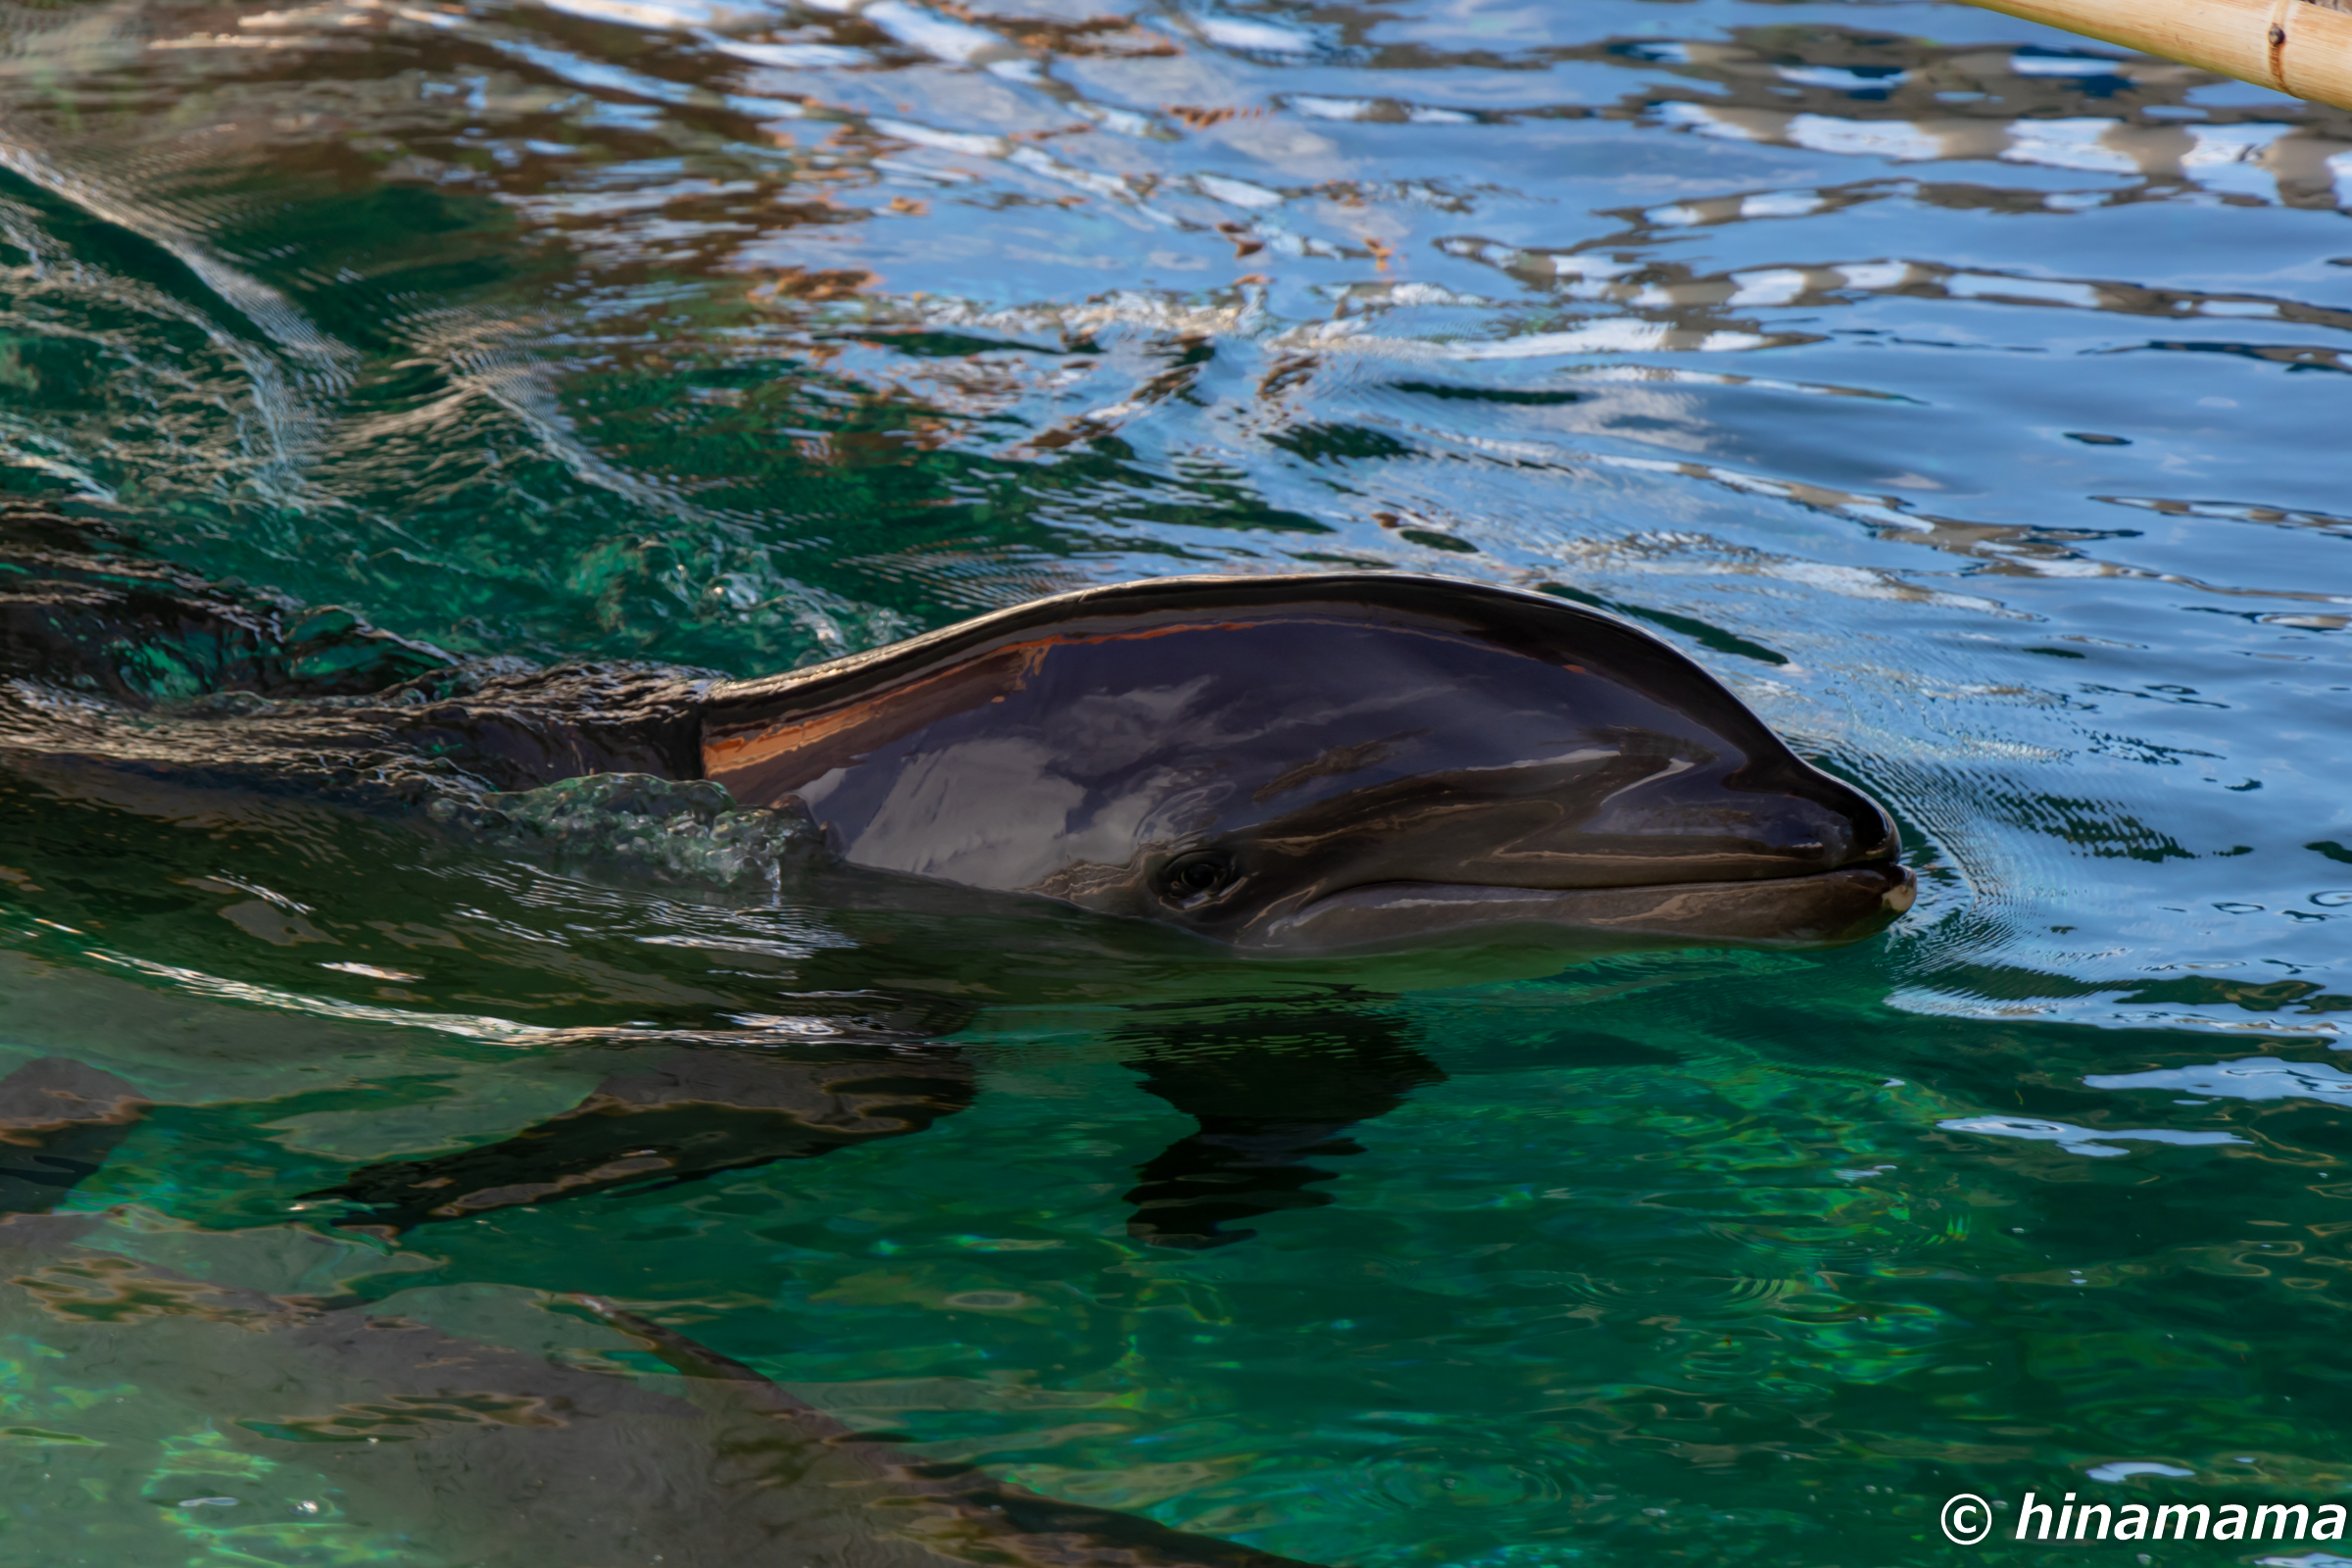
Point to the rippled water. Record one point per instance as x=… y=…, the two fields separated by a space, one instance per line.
x=1963 y=394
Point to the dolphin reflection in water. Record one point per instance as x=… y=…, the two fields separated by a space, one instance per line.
x=1285 y=767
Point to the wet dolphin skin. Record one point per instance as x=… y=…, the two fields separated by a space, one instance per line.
x=1310 y=762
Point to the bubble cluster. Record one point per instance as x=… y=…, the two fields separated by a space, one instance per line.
x=673 y=830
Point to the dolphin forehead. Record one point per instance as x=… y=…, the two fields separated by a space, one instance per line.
x=1072 y=732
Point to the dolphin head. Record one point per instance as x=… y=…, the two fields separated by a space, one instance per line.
x=1304 y=763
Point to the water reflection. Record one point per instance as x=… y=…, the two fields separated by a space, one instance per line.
x=685 y=1115
x=1271 y=1092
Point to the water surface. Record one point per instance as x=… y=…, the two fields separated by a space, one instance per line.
x=1962 y=393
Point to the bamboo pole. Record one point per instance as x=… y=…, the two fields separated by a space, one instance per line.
x=2300 y=47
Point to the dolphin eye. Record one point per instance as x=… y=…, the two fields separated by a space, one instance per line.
x=1190 y=878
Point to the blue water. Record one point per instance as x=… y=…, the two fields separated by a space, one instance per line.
x=1962 y=393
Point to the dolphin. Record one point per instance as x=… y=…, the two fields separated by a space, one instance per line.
x=1300 y=773
x=1284 y=765
x=1314 y=762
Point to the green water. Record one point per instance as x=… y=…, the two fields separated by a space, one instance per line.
x=1962 y=394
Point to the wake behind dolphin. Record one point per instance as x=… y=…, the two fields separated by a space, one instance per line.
x=1284 y=765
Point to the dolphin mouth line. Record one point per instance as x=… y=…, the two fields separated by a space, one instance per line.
x=1811 y=908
